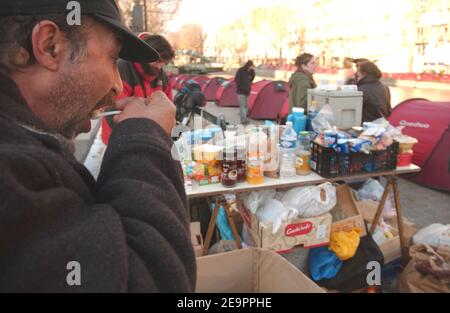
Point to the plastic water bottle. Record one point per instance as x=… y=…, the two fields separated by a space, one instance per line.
x=289 y=137
x=288 y=160
x=288 y=147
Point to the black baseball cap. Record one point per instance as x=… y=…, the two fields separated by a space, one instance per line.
x=106 y=11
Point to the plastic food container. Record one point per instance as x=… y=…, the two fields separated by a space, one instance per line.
x=406 y=143
x=405 y=159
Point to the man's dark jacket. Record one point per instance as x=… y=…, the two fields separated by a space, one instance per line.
x=244 y=78
x=376 y=98
x=128 y=231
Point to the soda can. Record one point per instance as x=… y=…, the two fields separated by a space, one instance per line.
x=343 y=146
x=330 y=138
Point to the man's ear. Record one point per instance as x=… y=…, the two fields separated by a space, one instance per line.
x=49 y=44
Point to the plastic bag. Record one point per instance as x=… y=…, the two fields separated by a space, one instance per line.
x=381 y=132
x=323 y=263
x=222 y=224
x=435 y=235
x=273 y=212
x=345 y=243
x=311 y=201
x=373 y=190
x=324 y=120
x=254 y=200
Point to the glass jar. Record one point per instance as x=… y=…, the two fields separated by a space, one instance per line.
x=229 y=169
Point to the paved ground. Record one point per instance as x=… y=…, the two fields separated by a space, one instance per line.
x=423 y=205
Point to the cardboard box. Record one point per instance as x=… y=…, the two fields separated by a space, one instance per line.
x=307 y=232
x=196 y=238
x=223 y=246
x=391 y=247
x=346 y=214
x=251 y=271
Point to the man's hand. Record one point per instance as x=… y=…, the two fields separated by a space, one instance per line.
x=157 y=108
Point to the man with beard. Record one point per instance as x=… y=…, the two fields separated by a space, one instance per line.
x=60 y=230
x=143 y=79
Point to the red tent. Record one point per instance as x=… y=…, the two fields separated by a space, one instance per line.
x=429 y=123
x=181 y=80
x=201 y=80
x=256 y=87
x=211 y=86
x=226 y=94
x=269 y=99
x=284 y=112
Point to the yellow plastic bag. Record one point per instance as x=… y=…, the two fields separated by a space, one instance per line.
x=345 y=244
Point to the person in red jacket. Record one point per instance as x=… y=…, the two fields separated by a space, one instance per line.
x=142 y=79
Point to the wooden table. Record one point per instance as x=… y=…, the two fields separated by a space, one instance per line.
x=300 y=181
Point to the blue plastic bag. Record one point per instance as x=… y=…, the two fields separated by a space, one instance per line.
x=223 y=225
x=323 y=263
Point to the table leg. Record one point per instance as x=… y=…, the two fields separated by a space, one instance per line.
x=400 y=221
x=211 y=226
x=376 y=219
x=237 y=239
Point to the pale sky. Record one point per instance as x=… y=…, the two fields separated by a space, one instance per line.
x=212 y=14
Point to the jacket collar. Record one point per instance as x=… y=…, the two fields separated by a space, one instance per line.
x=310 y=77
x=138 y=67
x=15 y=109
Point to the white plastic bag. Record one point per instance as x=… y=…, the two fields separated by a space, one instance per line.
x=273 y=212
x=324 y=119
x=435 y=235
x=255 y=199
x=311 y=201
x=373 y=190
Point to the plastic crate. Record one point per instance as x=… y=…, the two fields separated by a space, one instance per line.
x=328 y=163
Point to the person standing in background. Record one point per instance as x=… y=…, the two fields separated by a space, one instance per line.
x=244 y=78
x=302 y=80
x=376 y=96
x=348 y=71
x=143 y=79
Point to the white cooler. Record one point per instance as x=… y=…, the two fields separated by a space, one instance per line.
x=346 y=105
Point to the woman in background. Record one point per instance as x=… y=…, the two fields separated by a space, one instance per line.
x=302 y=80
x=376 y=96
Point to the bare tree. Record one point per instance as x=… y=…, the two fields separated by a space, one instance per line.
x=189 y=37
x=158 y=12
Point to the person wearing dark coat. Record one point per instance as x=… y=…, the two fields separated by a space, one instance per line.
x=60 y=229
x=244 y=78
x=376 y=96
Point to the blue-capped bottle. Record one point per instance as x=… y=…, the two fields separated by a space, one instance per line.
x=289 y=137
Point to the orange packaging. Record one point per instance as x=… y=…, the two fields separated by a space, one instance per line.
x=302 y=165
x=255 y=170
